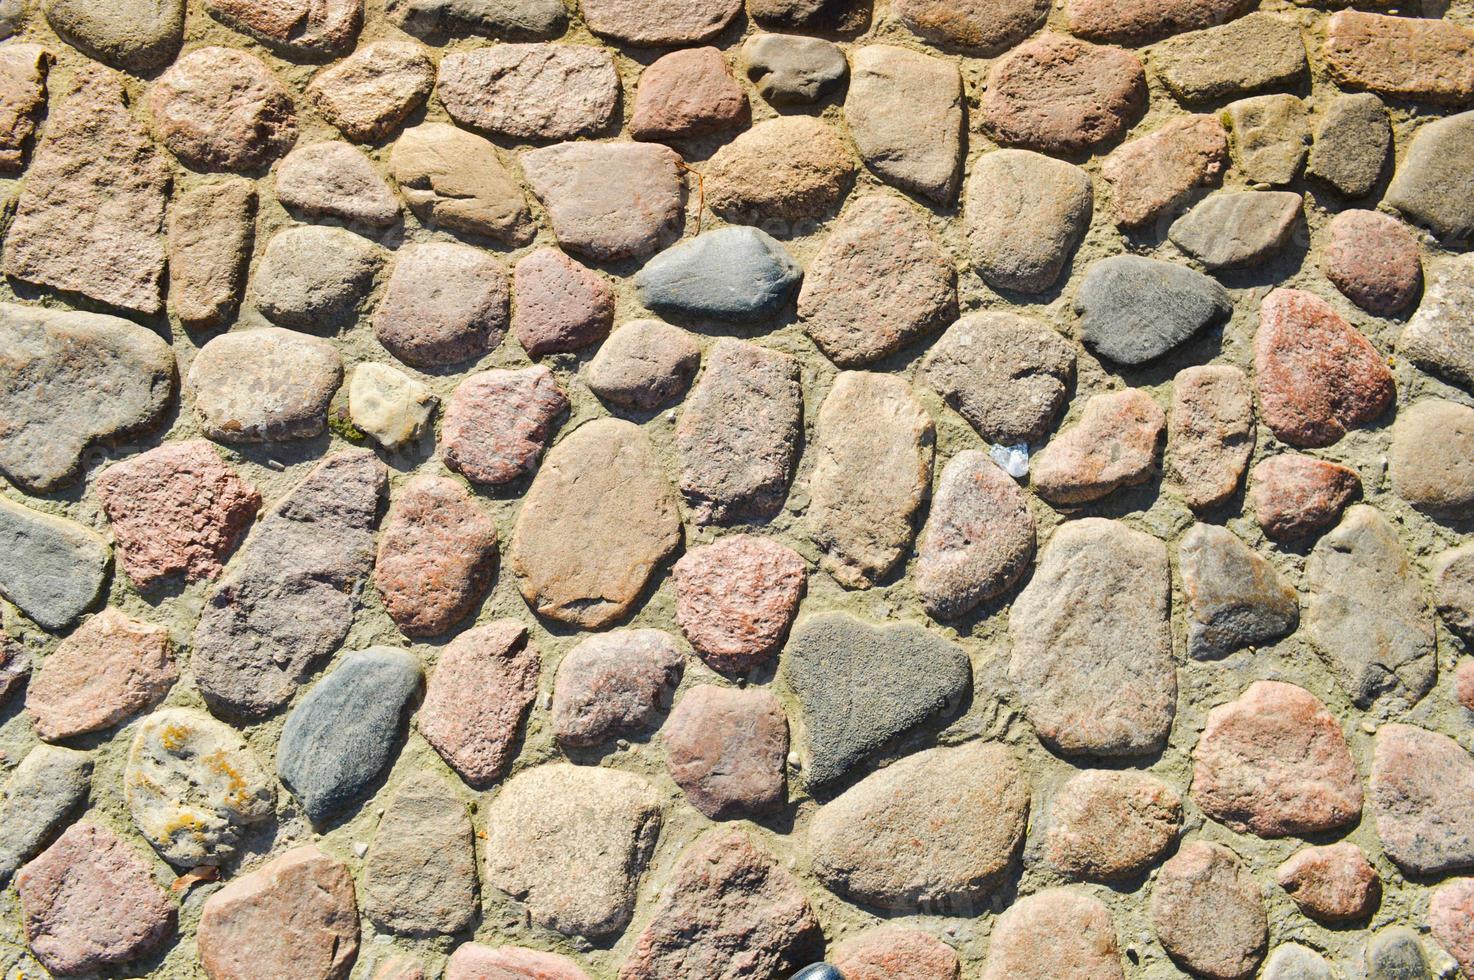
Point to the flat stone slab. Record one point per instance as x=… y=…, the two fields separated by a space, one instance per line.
x=420 y=876
x=1243 y=57
x=737 y=273
x=1404 y=57
x=530 y=91
x=1232 y=229
x=608 y=201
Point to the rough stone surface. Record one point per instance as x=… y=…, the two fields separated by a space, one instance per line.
x=1232 y=229
x=310 y=28
x=1210 y=433
x=935 y=831
x=791 y=169
x=1108 y=825
x=738 y=433
x=1058 y=95
x=1430 y=463
x=729 y=911
x=1351 y=144
x=369 y=94
x=530 y=91
x=613 y=685
x=51 y=568
x=194 y=788
x=1248 y=55
x=1396 y=954
x=263 y=385
x=1451 y=919
x=1207 y=912
x=736 y=598
x=1440 y=336
x=1367 y=612
x=597 y=522
x=860 y=685
x=1151 y=177
x=737 y=273
x=1271 y=137
x=134 y=35
x=420 y=876
x=1026 y=257
x=1434 y=186
x=727 y=750
x=1295 y=962
x=294 y=916
x=609 y=201
x=90 y=215
x=1138 y=21
x=974 y=26
x=879 y=283
x=1135 y=309
x=978 y=540
x=222 y=109
x=211 y=229
x=110 y=669
x=687 y=93
x=37 y=796
x=1114 y=444
x=472 y=961
x=1452 y=573
x=1334 y=883
x=1092 y=646
x=457 y=181
x=286 y=603
x=570 y=843
x=904 y=111
x=72 y=379
x=873 y=448
x=333 y=179
x=844 y=16
x=1297 y=495
x=1407 y=58
x=437 y=556
x=792 y=70
x=895 y=953
x=644 y=365
x=15 y=667
x=437 y=19
x=23 y=69
x=389 y=406
x=478 y=696
x=89 y=902
x=1235 y=598
x=561 y=305
x=445 y=304
x=498 y=423
x=658 y=23
x=1373 y=259
x=1053 y=933
x=1421 y=792
x=313 y=277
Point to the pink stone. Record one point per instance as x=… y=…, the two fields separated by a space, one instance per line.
x=736 y=599
x=614 y=684
x=1057 y=95
x=727 y=750
x=1422 y=795
x=473 y=961
x=110 y=669
x=177 y=509
x=560 y=304
x=477 y=698
x=687 y=93
x=1055 y=933
x=1317 y=376
x=1210 y=432
x=1294 y=495
x=1451 y=919
x=1373 y=259
x=1335 y=883
x=1106 y=825
x=90 y=901
x=293 y=917
x=1151 y=176
x=895 y=953
x=1207 y=912
x=498 y=423
x=1274 y=763
x=437 y=556
x=1114 y=444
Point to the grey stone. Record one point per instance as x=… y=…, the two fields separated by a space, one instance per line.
x=1431 y=462
x=1271 y=136
x=70 y=379
x=1440 y=336
x=1207 y=912
x=343 y=734
x=1396 y=954
x=570 y=842
x=211 y=229
x=286 y=601
x=873 y=448
x=1248 y=55
x=53 y=569
x=333 y=179
x=1235 y=598
x=134 y=35
x=1434 y=183
x=1057 y=197
x=1351 y=146
x=194 y=788
x=1092 y=643
x=265 y=385
x=530 y=91
x=737 y=438
x=1237 y=228
x=860 y=686
x=1367 y=612
x=1294 y=962
x=435 y=19
x=978 y=540
x=613 y=685
x=12 y=16
x=644 y=365
x=1007 y=375
x=608 y=201
x=446 y=303
x=39 y=794
x=934 y=832
x=904 y=110
x=457 y=181
x=1133 y=309
x=420 y=875
x=314 y=277
x=793 y=70
x=737 y=273
x=842 y=16
x=1453 y=585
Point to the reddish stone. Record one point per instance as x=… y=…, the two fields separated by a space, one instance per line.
x=1151 y=176
x=1114 y=444
x=477 y=698
x=222 y=109
x=437 y=555
x=1373 y=259
x=736 y=599
x=1294 y=495
x=1422 y=794
x=317 y=28
x=1058 y=95
x=90 y=901
x=1107 y=825
x=614 y=684
x=1208 y=914
x=1451 y=919
x=498 y=423
x=1317 y=376
x=979 y=27
x=1464 y=684
x=727 y=750
x=293 y=917
x=687 y=93
x=1405 y=57
x=895 y=953
x=1274 y=762
x=1333 y=884
x=398 y=966
x=110 y=669
x=1210 y=432
x=1056 y=933
x=473 y=961
x=1139 y=21
x=176 y=509
x=560 y=304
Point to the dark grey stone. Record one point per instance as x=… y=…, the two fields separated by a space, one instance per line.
x=340 y=737
x=1133 y=309
x=1434 y=184
x=737 y=273
x=134 y=35
x=1237 y=228
x=860 y=686
x=43 y=790
x=1235 y=598
x=819 y=971
x=792 y=70
x=1352 y=144
x=50 y=567
x=499 y=18
x=1396 y=954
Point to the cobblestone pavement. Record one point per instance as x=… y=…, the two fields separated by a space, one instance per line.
x=657 y=489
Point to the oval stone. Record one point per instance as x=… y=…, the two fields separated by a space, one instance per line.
x=1109 y=825
x=735 y=599
x=530 y=91
x=1207 y=912
x=738 y=273
x=222 y=109
x=1133 y=309
x=1027 y=257
x=1055 y=933
x=1057 y=95
x=264 y=385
